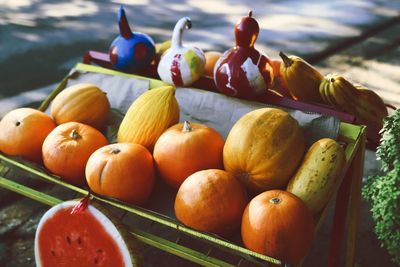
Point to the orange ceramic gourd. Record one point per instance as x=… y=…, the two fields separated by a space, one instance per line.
x=186 y=148
x=124 y=171
x=278 y=224
x=211 y=200
x=22 y=132
x=264 y=148
x=68 y=147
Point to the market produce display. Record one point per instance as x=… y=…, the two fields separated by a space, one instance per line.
x=84 y=103
x=124 y=171
x=149 y=116
x=186 y=148
x=262 y=179
x=17 y=137
x=87 y=236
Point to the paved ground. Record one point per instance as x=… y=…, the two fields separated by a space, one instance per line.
x=41 y=40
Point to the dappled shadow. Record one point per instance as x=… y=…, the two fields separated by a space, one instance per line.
x=37 y=37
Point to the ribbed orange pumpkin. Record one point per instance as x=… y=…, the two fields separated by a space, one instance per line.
x=211 y=200
x=84 y=103
x=68 y=147
x=278 y=224
x=186 y=148
x=124 y=171
x=22 y=132
x=264 y=148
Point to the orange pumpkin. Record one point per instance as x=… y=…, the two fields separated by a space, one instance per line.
x=84 y=103
x=279 y=84
x=186 y=148
x=124 y=171
x=68 y=147
x=211 y=59
x=264 y=148
x=22 y=132
x=278 y=224
x=211 y=200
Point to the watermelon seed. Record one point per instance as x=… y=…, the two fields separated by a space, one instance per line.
x=99 y=250
x=96 y=260
x=53 y=253
x=79 y=241
x=68 y=240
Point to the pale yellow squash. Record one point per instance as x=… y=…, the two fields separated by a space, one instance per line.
x=149 y=116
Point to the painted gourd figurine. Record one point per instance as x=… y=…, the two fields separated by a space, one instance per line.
x=242 y=71
x=181 y=65
x=130 y=50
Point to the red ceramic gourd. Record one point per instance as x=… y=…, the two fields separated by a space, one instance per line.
x=242 y=71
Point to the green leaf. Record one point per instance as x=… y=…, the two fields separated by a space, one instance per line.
x=383 y=191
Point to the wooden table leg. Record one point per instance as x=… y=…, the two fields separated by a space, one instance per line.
x=347 y=207
x=355 y=199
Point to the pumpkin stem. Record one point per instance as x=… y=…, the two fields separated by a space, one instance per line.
x=250 y=13
x=286 y=60
x=275 y=200
x=74 y=134
x=186 y=127
x=115 y=151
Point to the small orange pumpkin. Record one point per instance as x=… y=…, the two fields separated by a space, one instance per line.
x=211 y=59
x=211 y=200
x=278 y=224
x=186 y=148
x=22 y=132
x=68 y=147
x=124 y=171
x=278 y=83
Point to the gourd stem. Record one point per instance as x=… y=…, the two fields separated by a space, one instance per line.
x=177 y=35
x=286 y=60
x=124 y=29
x=186 y=127
x=18 y=123
x=275 y=200
x=74 y=134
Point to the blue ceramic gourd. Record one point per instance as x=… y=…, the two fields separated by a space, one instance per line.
x=130 y=50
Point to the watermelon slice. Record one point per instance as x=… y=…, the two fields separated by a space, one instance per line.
x=84 y=238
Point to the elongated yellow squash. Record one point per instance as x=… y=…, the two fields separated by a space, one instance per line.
x=318 y=174
x=149 y=116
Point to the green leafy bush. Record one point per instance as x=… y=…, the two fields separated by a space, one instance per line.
x=383 y=191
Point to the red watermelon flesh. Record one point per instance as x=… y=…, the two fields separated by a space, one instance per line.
x=87 y=238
